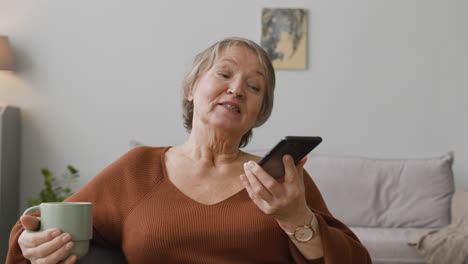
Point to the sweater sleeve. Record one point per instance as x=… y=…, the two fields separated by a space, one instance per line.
x=340 y=244
x=113 y=192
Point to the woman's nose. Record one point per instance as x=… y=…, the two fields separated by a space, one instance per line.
x=236 y=89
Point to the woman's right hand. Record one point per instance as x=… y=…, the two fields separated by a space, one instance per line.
x=45 y=247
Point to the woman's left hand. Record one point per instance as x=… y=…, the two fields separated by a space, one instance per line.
x=284 y=201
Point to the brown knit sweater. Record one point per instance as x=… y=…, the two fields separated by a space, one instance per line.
x=137 y=209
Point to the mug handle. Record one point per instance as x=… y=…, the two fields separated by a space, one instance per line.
x=29 y=211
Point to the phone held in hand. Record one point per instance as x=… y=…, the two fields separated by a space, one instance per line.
x=297 y=147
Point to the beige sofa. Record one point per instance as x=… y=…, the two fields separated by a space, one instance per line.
x=387 y=202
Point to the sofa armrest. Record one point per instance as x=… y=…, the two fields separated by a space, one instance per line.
x=459 y=205
x=102 y=255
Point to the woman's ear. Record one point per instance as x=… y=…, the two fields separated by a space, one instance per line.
x=189 y=95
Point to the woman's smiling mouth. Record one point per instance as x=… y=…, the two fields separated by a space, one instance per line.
x=231 y=106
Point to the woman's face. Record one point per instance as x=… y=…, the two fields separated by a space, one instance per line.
x=230 y=94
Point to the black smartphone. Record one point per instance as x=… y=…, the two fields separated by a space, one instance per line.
x=297 y=147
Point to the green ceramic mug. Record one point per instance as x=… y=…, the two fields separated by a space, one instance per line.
x=75 y=218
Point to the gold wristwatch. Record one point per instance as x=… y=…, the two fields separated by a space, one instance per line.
x=306 y=232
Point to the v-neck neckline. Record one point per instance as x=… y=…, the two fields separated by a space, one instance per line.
x=185 y=196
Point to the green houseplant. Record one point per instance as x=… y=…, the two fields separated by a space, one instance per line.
x=56 y=189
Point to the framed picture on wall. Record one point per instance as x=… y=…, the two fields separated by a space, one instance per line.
x=284 y=37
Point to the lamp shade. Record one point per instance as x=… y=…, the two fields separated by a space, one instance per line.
x=5 y=54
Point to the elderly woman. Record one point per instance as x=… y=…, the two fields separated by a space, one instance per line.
x=206 y=201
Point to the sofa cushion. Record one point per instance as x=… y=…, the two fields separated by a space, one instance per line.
x=389 y=245
x=366 y=192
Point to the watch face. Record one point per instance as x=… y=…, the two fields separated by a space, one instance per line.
x=303 y=234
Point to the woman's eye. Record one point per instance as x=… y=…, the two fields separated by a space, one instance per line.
x=254 y=88
x=224 y=75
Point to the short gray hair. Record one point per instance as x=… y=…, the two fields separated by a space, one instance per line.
x=205 y=60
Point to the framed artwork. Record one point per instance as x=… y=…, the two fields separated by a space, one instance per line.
x=284 y=37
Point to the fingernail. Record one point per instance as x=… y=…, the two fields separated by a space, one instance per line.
x=69 y=245
x=55 y=233
x=251 y=164
x=66 y=237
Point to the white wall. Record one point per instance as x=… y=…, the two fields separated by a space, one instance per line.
x=385 y=78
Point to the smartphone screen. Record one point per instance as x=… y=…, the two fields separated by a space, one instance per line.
x=297 y=147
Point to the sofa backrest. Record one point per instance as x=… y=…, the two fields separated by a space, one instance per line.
x=385 y=192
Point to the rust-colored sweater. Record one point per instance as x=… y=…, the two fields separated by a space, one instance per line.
x=137 y=209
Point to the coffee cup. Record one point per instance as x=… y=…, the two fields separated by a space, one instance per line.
x=74 y=218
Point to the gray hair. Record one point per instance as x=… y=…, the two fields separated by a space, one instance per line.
x=205 y=60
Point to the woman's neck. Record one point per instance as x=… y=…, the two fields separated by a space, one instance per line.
x=211 y=147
